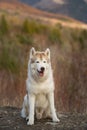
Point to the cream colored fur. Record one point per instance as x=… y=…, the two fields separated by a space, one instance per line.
x=39 y=99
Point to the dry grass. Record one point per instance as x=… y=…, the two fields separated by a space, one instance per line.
x=69 y=61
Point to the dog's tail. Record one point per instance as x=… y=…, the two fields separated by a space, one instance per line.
x=24 y=111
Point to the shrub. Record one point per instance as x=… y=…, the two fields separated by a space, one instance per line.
x=4 y=27
x=84 y=34
x=41 y=28
x=29 y=27
x=83 y=39
x=9 y=57
x=7 y=62
x=55 y=35
x=24 y=39
x=32 y=27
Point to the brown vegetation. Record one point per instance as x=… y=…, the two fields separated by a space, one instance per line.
x=69 y=60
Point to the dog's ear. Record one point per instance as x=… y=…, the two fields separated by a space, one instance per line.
x=47 y=52
x=32 y=52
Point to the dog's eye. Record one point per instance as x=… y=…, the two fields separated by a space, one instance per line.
x=44 y=61
x=37 y=61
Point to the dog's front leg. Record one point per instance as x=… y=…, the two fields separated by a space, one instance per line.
x=52 y=107
x=31 y=100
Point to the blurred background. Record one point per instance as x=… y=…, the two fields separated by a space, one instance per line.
x=60 y=25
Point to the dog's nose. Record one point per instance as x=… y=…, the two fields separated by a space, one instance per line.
x=42 y=68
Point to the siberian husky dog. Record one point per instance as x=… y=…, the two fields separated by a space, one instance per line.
x=39 y=99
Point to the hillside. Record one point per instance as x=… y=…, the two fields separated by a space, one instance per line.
x=76 y=9
x=15 y=7
x=21 y=28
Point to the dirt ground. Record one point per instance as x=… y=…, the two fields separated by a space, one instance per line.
x=10 y=119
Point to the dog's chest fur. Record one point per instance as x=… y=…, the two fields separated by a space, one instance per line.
x=40 y=88
x=41 y=101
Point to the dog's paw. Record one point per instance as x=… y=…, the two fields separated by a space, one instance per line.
x=30 y=121
x=23 y=115
x=55 y=119
x=27 y=118
x=39 y=116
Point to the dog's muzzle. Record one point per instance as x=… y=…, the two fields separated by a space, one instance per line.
x=41 y=72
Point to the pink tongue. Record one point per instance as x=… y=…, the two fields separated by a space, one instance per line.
x=41 y=74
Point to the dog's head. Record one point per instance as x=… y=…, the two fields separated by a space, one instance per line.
x=39 y=62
